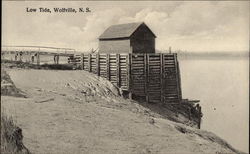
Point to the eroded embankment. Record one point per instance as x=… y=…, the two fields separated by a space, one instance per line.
x=11 y=135
x=77 y=112
x=8 y=88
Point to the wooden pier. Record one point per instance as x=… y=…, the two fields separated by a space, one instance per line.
x=156 y=77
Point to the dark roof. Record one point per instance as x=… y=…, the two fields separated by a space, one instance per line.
x=121 y=30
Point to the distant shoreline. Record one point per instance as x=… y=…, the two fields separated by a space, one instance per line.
x=210 y=55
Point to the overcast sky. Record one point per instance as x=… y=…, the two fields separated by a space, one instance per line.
x=191 y=26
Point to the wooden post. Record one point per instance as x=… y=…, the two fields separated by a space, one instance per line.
x=83 y=65
x=26 y=56
x=38 y=58
x=82 y=62
x=147 y=67
x=108 y=68
x=200 y=115
x=82 y=56
x=130 y=95
x=189 y=113
x=57 y=59
x=16 y=56
x=128 y=71
x=98 y=64
x=118 y=69
x=89 y=62
x=20 y=56
x=161 y=76
x=176 y=77
x=146 y=77
x=129 y=81
x=179 y=80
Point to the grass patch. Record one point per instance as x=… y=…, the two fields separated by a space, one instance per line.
x=11 y=137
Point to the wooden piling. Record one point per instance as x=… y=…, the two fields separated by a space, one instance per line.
x=89 y=62
x=98 y=64
x=176 y=76
x=179 y=80
x=128 y=63
x=82 y=61
x=147 y=74
x=199 y=118
x=108 y=66
x=130 y=81
x=161 y=74
x=130 y=95
x=118 y=70
x=146 y=78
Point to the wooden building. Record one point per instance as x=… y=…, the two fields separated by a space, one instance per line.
x=127 y=38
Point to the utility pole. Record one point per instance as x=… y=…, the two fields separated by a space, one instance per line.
x=170 y=49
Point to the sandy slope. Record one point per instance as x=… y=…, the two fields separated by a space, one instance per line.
x=77 y=112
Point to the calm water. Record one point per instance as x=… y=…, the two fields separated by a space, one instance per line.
x=222 y=86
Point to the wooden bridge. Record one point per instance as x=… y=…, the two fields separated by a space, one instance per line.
x=36 y=54
x=156 y=77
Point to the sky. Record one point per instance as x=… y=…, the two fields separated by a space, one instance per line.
x=189 y=26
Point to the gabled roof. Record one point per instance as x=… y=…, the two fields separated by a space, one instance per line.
x=122 y=30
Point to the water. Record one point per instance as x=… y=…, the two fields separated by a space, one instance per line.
x=222 y=86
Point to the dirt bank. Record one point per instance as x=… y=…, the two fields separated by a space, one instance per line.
x=77 y=112
x=11 y=134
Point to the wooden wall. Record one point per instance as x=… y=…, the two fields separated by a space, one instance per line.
x=142 y=40
x=114 y=46
x=153 y=76
x=110 y=66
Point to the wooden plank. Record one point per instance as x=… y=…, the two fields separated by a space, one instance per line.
x=158 y=89
x=89 y=62
x=129 y=73
x=179 y=81
x=151 y=87
x=145 y=77
x=147 y=74
x=157 y=59
x=98 y=64
x=155 y=98
x=148 y=63
x=137 y=62
x=139 y=90
x=138 y=70
x=108 y=68
x=118 y=69
x=175 y=58
x=138 y=82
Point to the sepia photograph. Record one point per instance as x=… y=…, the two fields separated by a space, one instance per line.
x=125 y=77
